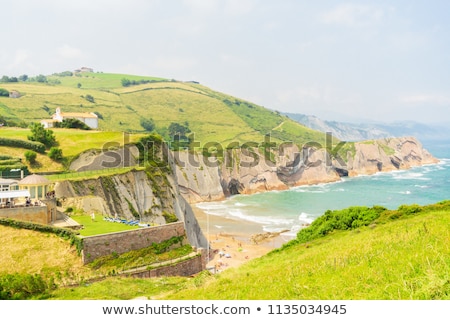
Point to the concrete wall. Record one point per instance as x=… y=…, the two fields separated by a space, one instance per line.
x=120 y=242
x=35 y=214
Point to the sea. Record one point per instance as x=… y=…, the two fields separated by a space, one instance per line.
x=293 y=209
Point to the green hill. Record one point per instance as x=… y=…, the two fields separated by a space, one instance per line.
x=385 y=255
x=211 y=115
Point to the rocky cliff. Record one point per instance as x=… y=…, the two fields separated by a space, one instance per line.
x=161 y=194
x=244 y=172
x=152 y=197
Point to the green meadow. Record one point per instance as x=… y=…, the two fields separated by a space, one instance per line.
x=211 y=115
x=398 y=256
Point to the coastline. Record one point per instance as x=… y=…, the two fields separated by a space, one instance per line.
x=232 y=242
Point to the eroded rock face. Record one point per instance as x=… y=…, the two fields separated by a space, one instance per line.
x=293 y=167
x=132 y=196
x=387 y=155
x=244 y=171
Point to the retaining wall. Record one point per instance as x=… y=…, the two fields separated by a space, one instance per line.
x=120 y=242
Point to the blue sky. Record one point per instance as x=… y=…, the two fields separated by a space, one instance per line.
x=339 y=60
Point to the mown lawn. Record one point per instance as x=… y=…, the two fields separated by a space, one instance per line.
x=99 y=226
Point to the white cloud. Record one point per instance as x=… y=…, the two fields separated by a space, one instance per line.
x=239 y=7
x=68 y=52
x=352 y=15
x=20 y=61
x=21 y=57
x=433 y=99
x=201 y=6
x=173 y=63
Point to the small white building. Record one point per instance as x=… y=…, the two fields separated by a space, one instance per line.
x=89 y=118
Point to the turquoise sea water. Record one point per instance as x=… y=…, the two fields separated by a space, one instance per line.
x=292 y=209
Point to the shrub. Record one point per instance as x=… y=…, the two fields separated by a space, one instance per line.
x=90 y=98
x=409 y=209
x=4 y=92
x=346 y=219
x=23 y=286
x=17 y=143
x=55 y=154
x=148 y=124
x=42 y=135
x=30 y=156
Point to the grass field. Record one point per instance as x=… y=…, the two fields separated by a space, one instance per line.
x=72 y=142
x=212 y=116
x=396 y=259
x=405 y=259
x=99 y=226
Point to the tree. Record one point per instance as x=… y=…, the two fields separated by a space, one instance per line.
x=40 y=134
x=72 y=124
x=126 y=82
x=4 y=92
x=148 y=124
x=55 y=154
x=23 y=77
x=90 y=98
x=30 y=156
x=176 y=129
x=41 y=78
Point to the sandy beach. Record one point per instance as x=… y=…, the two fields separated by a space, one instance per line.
x=233 y=242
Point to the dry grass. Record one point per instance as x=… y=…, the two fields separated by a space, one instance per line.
x=26 y=251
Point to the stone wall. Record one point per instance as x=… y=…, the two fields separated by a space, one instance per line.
x=34 y=214
x=183 y=269
x=120 y=242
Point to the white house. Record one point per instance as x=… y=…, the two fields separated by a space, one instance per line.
x=89 y=118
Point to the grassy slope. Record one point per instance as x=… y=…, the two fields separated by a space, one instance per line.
x=407 y=258
x=71 y=141
x=213 y=116
x=26 y=251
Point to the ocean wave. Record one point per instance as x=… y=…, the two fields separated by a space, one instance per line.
x=304 y=217
x=405 y=192
x=240 y=204
x=410 y=176
x=207 y=206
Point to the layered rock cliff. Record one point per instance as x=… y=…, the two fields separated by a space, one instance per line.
x=150 y=197
x=158 y=195
x=205 y=179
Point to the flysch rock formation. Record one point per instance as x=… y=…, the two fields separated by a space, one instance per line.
x=192 y=178
x=241 y=173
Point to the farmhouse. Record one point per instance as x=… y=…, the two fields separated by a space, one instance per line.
x=89 y=118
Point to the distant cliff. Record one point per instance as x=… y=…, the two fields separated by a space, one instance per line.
x=350 y=131
x=240 y=173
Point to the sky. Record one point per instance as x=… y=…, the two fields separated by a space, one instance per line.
x=339 y=60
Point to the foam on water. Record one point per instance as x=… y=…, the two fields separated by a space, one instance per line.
x=296 y=208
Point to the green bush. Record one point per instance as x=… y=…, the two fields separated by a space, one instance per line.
x=30 y=156
x=170 y=217
x=42 y=135
x=409 y=209
x=55 y=154
x=17 y=143
x=23 y=286
x=346 y=219
x=4 y=92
